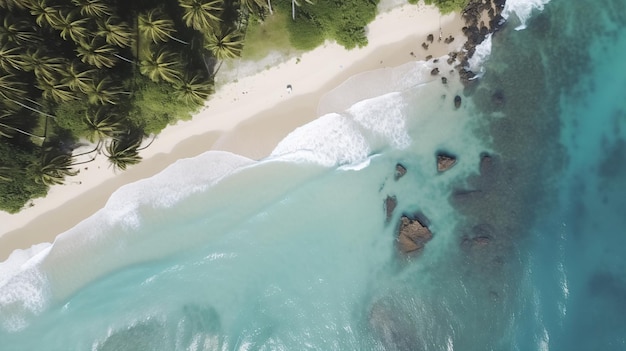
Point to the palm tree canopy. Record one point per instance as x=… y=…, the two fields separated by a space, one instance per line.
x=45 y=67
x=53 y=169
x=124 y=152
x=93 y=8
x=163 y=65
x=103 y=92
x=44 y=13
x=255 y=6
x=19 y=32
x=154 y=25
x=71 y=25
x=201 y=14
x=101 y=124
x=224 y=45
x=76 y=77
x=11 y=57
x=96 y=53
x=56 y=92
x=114 y=31
x=194 y=89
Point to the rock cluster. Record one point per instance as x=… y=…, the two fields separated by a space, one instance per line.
x=413 y=234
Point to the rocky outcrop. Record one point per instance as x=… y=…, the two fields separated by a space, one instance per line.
x=400 y=171
x=413 y=234
x=445 y=161
x=481 y=18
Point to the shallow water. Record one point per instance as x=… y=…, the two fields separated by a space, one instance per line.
x=294 y=252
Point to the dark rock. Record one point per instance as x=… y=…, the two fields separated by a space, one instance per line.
x=413 y=234
x=435 y=60
x=445 y=161
x=498 y=98
x=425 y=46
x=434 y=72
x=390 y=204
x=457 y=101
x=429 y=57
x=430 y=38
x=444 y=80
x=400 y=171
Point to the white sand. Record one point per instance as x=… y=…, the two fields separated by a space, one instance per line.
x=248 y=117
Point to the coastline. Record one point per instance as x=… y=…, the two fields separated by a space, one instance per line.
x=248 y=117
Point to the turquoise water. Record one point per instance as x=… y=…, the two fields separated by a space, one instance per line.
x=294 y=252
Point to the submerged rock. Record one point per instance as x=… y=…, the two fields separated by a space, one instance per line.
x=400 y=171
x=457 y=101
x=444 y=80
x=413 y=234
x=445 y=161
x=390 y=204
x=434 y=72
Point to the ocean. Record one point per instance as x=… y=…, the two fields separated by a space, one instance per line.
x=296 y=251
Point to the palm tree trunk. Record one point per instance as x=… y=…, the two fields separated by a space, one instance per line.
x=176 y=39
x=123 y=58
x=293 y=10
x=269 y=5
x=27 y=107
x=22 y=131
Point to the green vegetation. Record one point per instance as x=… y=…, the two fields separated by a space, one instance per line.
x=115 y=72
x=107 y=71
x=312 y=22
x=445 y=6
x=266 y=35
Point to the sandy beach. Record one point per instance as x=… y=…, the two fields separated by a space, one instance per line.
x=248 y=116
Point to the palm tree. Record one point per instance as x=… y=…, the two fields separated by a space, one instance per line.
x=103 y=92
x=11 y=57
x=45 y=68
x=52 y=168
x=194 y=89
x=8 y=121
x=43 y=13
x=114 y=31
x=56 y=92
x=124 y=152
x=12 y=91
x=201 y=14
x=70 y=25
x=19 y=32
x=164 y=65
x=93 y=8
x=75 y=77
x=13 y=4
x=102 y=125
x=255 y=6
x=224 y=44
x=11 y=88
x=156 y=27
x=96 y=53
x=295 y=3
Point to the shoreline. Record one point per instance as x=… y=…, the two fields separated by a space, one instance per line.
x=248 y=117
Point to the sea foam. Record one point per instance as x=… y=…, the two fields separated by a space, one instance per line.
x=522 y=9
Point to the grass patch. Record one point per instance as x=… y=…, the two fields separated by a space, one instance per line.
x=267 y=36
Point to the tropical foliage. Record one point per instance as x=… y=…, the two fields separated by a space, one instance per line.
x=446 y=6
x=101 y=70
x=111 y=73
